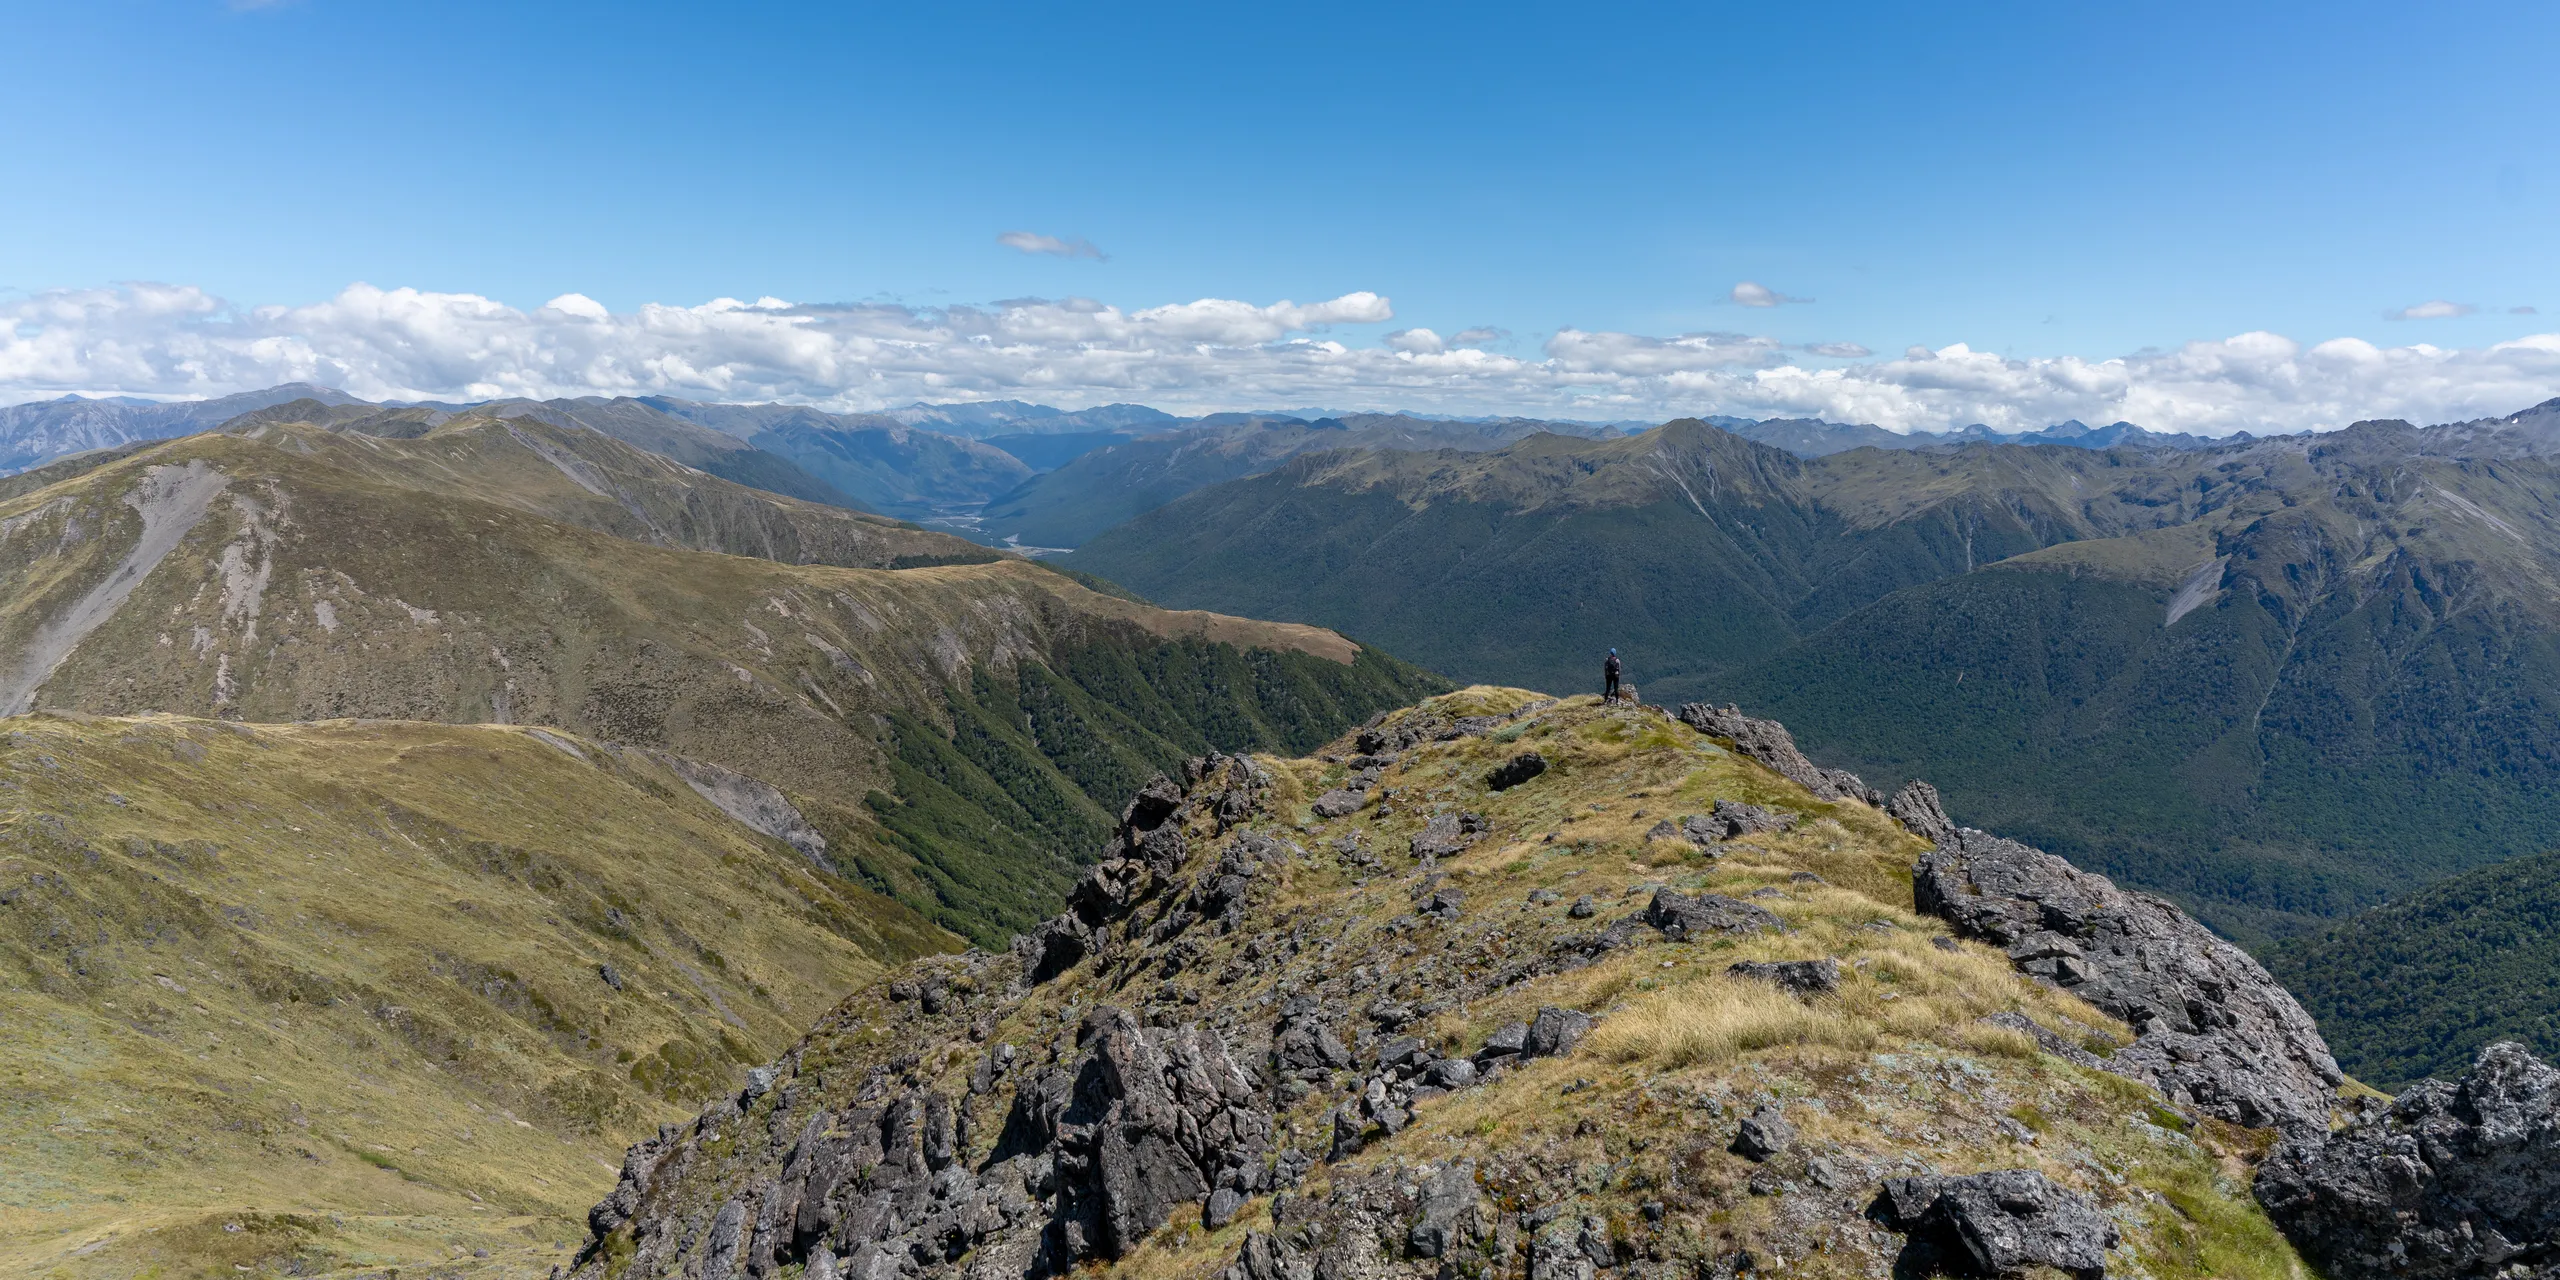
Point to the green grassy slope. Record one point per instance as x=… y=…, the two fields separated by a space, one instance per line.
x=345 y=983
x=583 y=477
x=309 y=590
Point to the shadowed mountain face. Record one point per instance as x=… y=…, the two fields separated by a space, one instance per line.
x=884 y=463
x=947 y=729
x=2277 y=678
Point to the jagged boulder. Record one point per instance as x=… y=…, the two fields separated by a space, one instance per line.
x=1917 y=808
x=1996 y=1224
x=1763 y=1134
x=2213 y=1030
x=2449 y=1180
x=1407 y=732
x=1555 y=1031
x=1146 y=849
x=1303 y=1042
x=1768 y=742
x=1156 y=1118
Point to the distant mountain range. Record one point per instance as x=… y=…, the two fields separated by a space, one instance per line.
x=1813 y=438
x=42 y=430
x=1006 y=472
x=1126 y=478
x=983 y=418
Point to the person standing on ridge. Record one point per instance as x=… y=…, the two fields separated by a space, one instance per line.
x=1609 y=678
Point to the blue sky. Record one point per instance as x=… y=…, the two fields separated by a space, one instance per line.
x=2039 y=181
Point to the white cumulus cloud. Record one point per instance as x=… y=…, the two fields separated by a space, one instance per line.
x=1206 y=354
x=1754 y=294
x=2436 y=310
x=1034 y=242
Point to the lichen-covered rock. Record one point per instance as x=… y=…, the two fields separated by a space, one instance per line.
x=2212 y=1030
x=2449 y=1180
x=1341 y=802
x=1555 y=1031
x=1799 y=977
x=1763 y=1134
x=1447 y=835
x=1996 y=1224
x=1155 y=1119
x=1680 y=916
x=1768 y=742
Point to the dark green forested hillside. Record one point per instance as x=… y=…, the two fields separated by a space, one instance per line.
x=2269 y=769
x=2415 y=987
x=2279 y=679
x=1000 y=810
x=1688 y=546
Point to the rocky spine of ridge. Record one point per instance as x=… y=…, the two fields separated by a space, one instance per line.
x=1186 y=1043
x=1206 y=1042
x=2214 y=1031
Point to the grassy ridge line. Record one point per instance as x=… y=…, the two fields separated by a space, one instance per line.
x=597 y=482
x=354 y=973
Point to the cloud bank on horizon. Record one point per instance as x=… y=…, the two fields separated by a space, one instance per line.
x=407 y=344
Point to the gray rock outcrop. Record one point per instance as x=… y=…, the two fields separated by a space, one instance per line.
x=2448 y=1180
x=1448 y=834
x=1763 y=1134
x=1680 y=916
x=1996 y=1224
x=1917 y=808
x=1768 y=742
x=2213 y=1030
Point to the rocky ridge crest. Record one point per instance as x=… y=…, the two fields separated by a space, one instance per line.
x=1245 y=1050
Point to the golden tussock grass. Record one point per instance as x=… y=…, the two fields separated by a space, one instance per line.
x=1895 y=986
x=1717 y=1020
